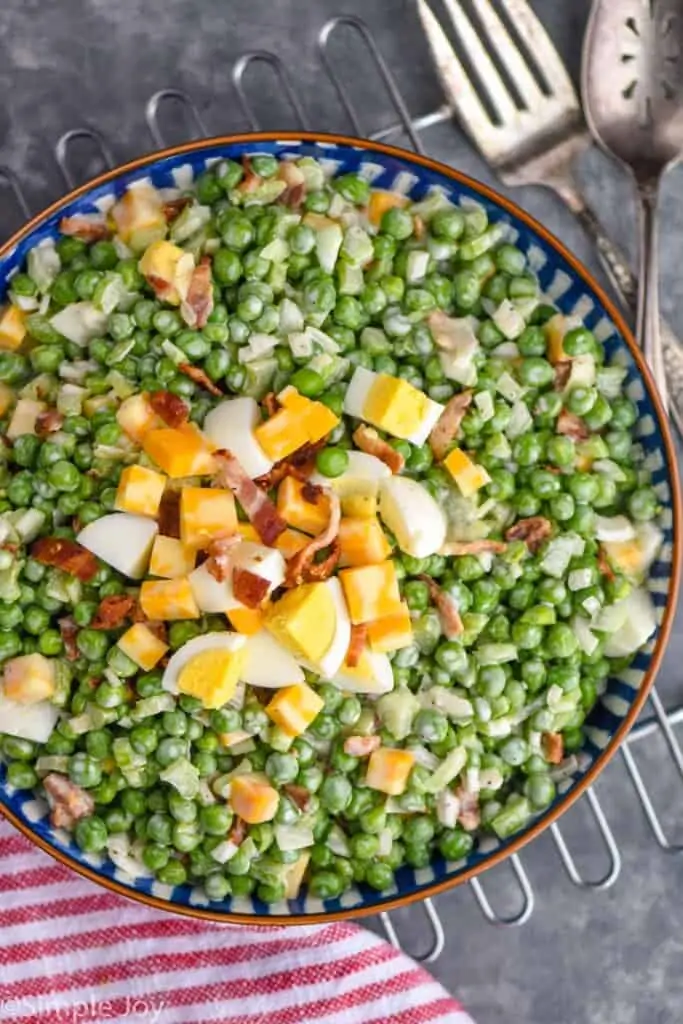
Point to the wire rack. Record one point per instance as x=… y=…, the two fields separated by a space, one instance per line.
x=404 y=126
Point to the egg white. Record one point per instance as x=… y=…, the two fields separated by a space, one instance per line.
x=373 y=675
x=122 y=540
x=231 y=425
x=363 y=475
x=413 y=516
x=268 y=664
x=357 y=393
x=214 y=596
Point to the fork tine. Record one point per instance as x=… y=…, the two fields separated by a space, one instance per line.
x=459 y=90
x=532 y=31
x=491 y=81
x=508 y=53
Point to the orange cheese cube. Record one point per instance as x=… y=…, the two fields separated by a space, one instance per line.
x=282 y=434
x=293 y=708
x=291 y=541
x=381 y=201
x=388 y=770
x=248 y=532
x=371 y=592
x=168 y=599
x=12 y=328
x=253 y=799
x=139 y=217
x=140 y=491
x=180 y=451
x=29 y=679
x=246 y=620
x=311 y=517
x=171 y=558
x=392 y=632
x=142 y=646
x=469 y=477
x=136 y=416
x=319 y=420
x=206 y=513
x=362 y=542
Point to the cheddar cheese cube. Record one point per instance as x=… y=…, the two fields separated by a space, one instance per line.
x=168 y=599
x=282 y=434
x=362 y=542
x=205 y=514
x=371 y=591
x=319 y=419
x=293 y=708
x=253 y=799
x=392 y=632
x=12 y=328
x=388 y=770
x=180 y=451
x=381 y=201
x=142 y=646
x=140 y=491
x=29 y=679
x=288 y=543
x=139 y=217
x=469 y=477
x=136 y=416
x=171 y=558
x=246 y=621
x=300 y=512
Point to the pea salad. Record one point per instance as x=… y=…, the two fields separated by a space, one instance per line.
x=321 y=531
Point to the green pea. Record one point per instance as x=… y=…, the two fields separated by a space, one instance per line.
x=430 y=726
x=91 y=834
x=536 y=372
x=84 y=771
x=379 y=876
x=282 y=768
x=173 y=873
x=332 y=462
x=335 y=793
x=643 y=504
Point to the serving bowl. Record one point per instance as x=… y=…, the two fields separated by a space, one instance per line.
x=567 y=284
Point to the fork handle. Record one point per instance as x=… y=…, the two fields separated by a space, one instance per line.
x=625 y=284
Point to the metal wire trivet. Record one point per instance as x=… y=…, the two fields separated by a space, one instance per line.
x=660 y=721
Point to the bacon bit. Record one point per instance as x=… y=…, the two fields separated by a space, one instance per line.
x=447 y=426
x=553 y=747
x=172 y=208
x=446 y=606
x=301 y=567
x=69 y=631
x=164 y=290
x=197 y=305
x=293 y=177
x=473 y=547
x=369 y=441
x=69 y=803
x=249 y=588
x=168 y=516
x=113 y=611
x=572 y=426
x=604 y=568
x=260 y=510
x=251 y=180
x=67 y=555
x=300 y=464
x=169 y=407
x=270 y=404
x=196 y=374
x=533 y=531
x=48 y=422
x=469 y=815
x=563 y=369
x=292 y=197
x=359 y=636
x=553 y=469
x=238 y=832
x=218 y=562
x=299 y=795
x=312 y=493
x=89 y=228
x=361 y=746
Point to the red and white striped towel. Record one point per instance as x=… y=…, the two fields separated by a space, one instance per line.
x=72 y=953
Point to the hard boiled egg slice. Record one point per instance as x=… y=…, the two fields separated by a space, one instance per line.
x=208 y=667
x=363 y=475
x=268 y=664
x=413 y=516
x=212 y=595
x=122 y=540
x=231 y=425
x=392 y=404
x=28 y=721
x=261 y=561
x=371 y=675
x=634 y=556
x=312 y=622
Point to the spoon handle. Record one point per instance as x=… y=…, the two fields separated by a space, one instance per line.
x=647 y=318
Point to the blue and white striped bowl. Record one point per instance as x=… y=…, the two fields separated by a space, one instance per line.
x=571 y=287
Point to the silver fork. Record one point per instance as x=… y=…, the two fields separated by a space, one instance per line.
x=536 y=135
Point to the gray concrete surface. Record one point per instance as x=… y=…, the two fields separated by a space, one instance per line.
x=584 y=958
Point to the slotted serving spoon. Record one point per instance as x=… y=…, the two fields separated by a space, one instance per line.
x=632 y=84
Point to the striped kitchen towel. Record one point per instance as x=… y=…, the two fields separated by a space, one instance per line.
x=72 y=953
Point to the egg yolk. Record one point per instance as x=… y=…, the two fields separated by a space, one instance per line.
x=304 y=621
x=212 y=676
x=395 y=406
